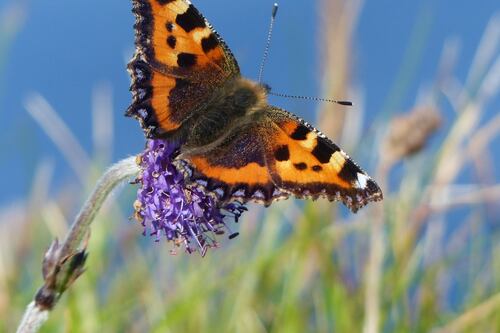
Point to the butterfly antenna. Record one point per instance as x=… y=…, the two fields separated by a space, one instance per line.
x=340 y=102
x=268 y=43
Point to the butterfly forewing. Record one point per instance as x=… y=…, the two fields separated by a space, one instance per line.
x=179 y=61
x=307 y=164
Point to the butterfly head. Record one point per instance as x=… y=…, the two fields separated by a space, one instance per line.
x=247 y=94
x=266 y=87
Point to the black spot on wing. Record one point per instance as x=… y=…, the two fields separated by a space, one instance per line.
x=165 y=2
x=300 y=133
x=323 y=150
x=171 y=41
x=169 y=26
x=190 y=20
x=209 y=43
x=282 y=153
x=186 y=59
x=300 y=166
x=350 y=171
x=317 y=168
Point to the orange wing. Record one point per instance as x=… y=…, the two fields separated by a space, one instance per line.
x=277 y=156
x=304 y=162
x=236 y=168
x=179 y=62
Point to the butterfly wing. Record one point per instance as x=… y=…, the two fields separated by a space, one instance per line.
x=179 y=62
x=305 y=163
x=280 y=155
x=235 y=168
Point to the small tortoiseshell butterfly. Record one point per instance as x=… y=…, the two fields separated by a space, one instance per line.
x=187 y=86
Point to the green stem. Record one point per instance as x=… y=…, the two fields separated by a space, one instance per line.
x=63 y=264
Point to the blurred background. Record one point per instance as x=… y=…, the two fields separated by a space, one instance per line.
x=424 y=77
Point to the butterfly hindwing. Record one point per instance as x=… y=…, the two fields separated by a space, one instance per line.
x=236 y=167
x=178 y=54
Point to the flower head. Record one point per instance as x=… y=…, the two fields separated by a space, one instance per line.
x=168 y=205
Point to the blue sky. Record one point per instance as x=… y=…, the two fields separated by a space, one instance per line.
x=65 y=48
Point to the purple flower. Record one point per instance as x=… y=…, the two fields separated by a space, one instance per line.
x=169 y=205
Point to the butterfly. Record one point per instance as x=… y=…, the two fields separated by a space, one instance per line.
x=187 y=87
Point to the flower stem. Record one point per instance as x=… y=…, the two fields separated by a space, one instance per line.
x=63 y=263
x=122 y=170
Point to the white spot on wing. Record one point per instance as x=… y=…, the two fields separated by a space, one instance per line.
x=258 y=194
x=239 y=193
x=143 y=113
x=202 y=182
x=219 y=191
x=139 y=74
x=276 y=192
x=189 y=171
x=141 y=93
x=362 y=180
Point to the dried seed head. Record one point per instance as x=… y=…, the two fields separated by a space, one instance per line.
x=408 y=133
